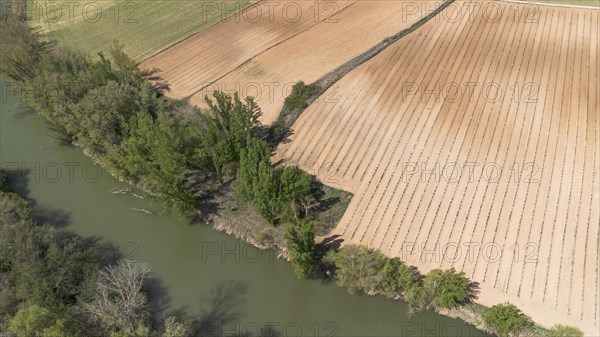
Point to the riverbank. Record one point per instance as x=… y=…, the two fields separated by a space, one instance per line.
x=191 y=262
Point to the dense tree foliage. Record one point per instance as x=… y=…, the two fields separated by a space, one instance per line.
x=257 y=180
x=446 y=288
x=300 y=243
x=230 y=126
x=34 y=321
x=22 y=49
x=358 y=268
x=506 y=320
x=109 y=109
x=275 y=192
x=295 y=186
x=397 y=278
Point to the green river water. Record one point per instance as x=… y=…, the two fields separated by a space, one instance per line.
x=192 y=263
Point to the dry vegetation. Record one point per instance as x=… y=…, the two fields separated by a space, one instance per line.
x=516 y=174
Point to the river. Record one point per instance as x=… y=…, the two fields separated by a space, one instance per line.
x=197 y=269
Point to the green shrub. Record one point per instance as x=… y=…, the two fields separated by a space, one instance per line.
x=446 y=288
x=257 y=180
x=415 y=297
x=506 y=320
x=36 y=321
x=22 y=49
x=358 y=268
x=397 y=278
x=301 y=247
x=229 y=126
x=274 y=192
x=294 y=186
x=299 y=95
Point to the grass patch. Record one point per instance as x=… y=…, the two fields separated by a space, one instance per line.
x=333 y=204
x=145 y=27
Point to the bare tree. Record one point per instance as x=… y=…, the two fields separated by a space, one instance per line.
x=119 y=303
x=308 y=203
x=174 y=328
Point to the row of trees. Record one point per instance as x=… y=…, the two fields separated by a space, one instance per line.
x=359 y=268
x=107 y=107
x=177 y=152
x=300 y=243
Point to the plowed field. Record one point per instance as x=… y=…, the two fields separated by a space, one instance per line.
x=268 y=77
x=474 y=143
x=205 y=57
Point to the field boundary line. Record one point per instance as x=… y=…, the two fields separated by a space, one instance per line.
x=549 y=4
x=329 y=79
x=201 y=29
x=337 y=74
x=266 y=50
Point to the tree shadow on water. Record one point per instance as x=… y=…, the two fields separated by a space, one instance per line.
x=16 y=180
x=224 y=307
x=20 y=110
x=159 y=301
x=45 y=214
